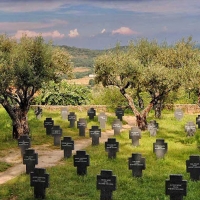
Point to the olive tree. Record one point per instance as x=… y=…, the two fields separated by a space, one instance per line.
x=24 y=66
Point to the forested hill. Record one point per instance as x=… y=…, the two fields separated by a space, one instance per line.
x=83 y=57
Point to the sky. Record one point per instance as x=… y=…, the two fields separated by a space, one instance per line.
x=101 y=24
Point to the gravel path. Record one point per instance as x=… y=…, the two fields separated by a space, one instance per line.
x=48 y=157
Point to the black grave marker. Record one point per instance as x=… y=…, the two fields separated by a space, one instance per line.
x=116 y=126
x=72 y=119
x=153 y=127
x=91 y=113
x=190 y=128
x=135 y=135
x=106 y=182
x=39 y=179
x=160 y=148
x=56 y=132
x=38 y=112
x=81 y=161
x=176 y=187
x=198 y=121
x=30 y=159
x=112 y=147
x=64 y=113
x=67 y=144
x=24 y=143
x=48 y=124
x=95 y=134
x=119 y=112
x=82 y=125
x=193 y=167
x=102 y=118
x=178 y=114
x=136 y=163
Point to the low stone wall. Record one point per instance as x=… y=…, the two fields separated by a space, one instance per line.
x=187 y=108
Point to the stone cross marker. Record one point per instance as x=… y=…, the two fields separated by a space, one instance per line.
x=91 y=113
x=178 y=114
x=64 y=113
x=160 y=148
x=136 y=163
x=190 y=128
x=82 y=125
x=198 y=121
x=67 y=144
x=116 y=126
x=24 y=142
x=95 y=134
x=102 y=118
x=48 y=124
x=152 y=127
x=30 y=159
x=40 y=181
x=38 y=112
x=193 y=167
x=176 y=187
x=56 y=132
x=135 y=135
x=106 y=182
x=119 y=112
x=81 y=161
x=72 y=119
x=112 y=147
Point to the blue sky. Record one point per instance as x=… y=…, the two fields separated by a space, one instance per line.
x=100 y=24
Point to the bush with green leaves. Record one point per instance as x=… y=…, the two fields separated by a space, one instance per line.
x=62 y=94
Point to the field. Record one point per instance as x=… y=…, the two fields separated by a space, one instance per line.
x=66 y=184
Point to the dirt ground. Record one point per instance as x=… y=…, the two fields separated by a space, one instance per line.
x=48 y=157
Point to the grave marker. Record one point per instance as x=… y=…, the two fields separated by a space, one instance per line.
x=106 y=182
x=72 y=118
x=160 y=148
x=81 y=161
x=116 y=126
x=67 y=144
x=95 y=134
x=193 y=167
x=152 y=127
x=82 y=125
x=136 y=163
x=198 y=121
x=178 y=114
x=64 y=113
x=24 y=143
x=102 y=118
x=190 y=128
x=135 y=135
x=176 y=187
x=39 y=179
x=48 y=124
x=38 y=112
x=30 y=159
x=119 y=113
x=56 y=132
x=91 y=113
x=112 y=147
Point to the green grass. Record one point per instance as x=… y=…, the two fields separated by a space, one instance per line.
x=66 y=184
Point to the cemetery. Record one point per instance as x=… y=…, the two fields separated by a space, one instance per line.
x=131 y=164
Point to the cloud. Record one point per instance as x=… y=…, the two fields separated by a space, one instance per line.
x=124 y=31
x=53 y=34
x=103 y=31
x=73 y=33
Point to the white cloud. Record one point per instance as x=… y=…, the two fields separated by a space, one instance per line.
x=103 y=31
x=124 y=31
x=53 y=34
x=73 y=33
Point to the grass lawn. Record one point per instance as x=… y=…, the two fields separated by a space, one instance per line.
x=65 y=184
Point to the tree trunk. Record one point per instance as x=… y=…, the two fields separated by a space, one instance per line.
x=158 y=109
